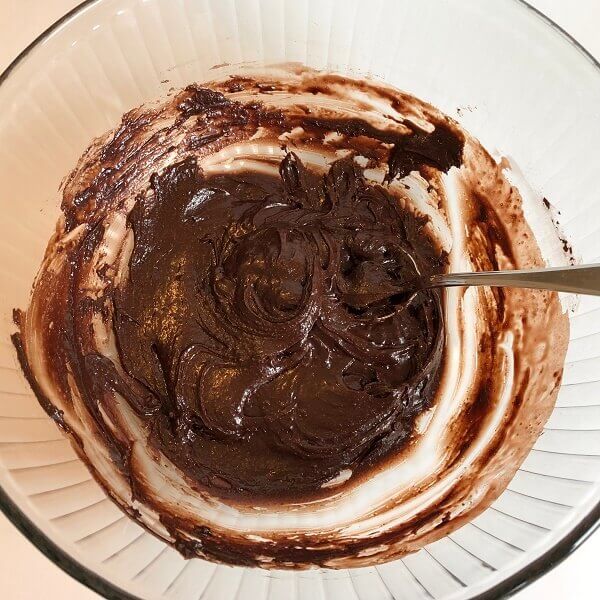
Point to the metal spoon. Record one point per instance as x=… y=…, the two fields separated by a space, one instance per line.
x=580 y=279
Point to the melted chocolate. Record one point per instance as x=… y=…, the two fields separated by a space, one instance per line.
x=238 y=328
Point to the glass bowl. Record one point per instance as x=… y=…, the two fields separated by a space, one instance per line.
x=511 y=77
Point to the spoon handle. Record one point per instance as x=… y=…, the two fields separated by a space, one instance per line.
x=580 y=279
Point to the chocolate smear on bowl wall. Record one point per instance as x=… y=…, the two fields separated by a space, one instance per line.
x=215 y=322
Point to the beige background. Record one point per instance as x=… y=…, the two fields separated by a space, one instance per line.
x=25 y=574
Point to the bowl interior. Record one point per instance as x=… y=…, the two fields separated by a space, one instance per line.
x=508 y=76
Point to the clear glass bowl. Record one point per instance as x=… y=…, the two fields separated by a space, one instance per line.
x=510 y=76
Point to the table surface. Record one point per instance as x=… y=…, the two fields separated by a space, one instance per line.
x=25 y=574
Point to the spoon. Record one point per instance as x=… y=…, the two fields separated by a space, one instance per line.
x=579 y=279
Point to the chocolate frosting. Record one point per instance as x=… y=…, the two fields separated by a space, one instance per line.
x=247 y=332
x=219 y=321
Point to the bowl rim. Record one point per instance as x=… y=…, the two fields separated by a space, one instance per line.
x=503 y=589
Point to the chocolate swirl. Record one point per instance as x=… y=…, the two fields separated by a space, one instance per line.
x=250 y=319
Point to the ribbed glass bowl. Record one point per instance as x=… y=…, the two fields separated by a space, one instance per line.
x=509 y=76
